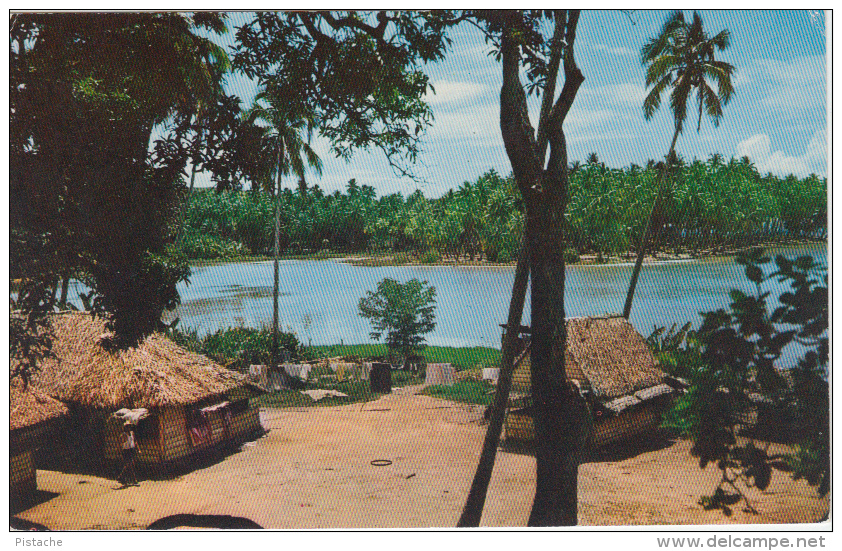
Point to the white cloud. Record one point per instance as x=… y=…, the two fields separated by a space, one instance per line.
x=785 y=86
x=758 y=148
x=615 y=50
x=449 y=92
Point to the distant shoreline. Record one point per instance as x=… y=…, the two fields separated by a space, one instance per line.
x=388 y=259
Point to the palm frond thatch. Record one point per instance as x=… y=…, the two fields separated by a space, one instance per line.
x=612 y=355
x=30 y=406
x=87 y=371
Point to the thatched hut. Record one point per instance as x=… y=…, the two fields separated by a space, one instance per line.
x=31 y=413
x=194 y=404
x=615 y=370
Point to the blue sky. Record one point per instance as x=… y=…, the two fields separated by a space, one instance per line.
x=778 y=116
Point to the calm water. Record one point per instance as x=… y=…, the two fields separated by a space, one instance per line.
x=471 y=301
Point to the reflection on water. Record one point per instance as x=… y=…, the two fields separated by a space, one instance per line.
x=471 y=300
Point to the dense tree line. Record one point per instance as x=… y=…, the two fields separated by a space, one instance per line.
x=710 y=204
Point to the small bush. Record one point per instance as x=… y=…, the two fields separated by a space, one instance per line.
x=203 y=246
x=504 y=257
x=243 y=346
x=401 y=258
x=571 y=256
x=430 y=256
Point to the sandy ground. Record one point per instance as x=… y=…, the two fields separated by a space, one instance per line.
x=313 y=470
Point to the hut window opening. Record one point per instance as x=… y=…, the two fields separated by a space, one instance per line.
x=198 y=427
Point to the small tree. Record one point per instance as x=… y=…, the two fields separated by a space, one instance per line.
x=733 y=361
x=404 y=311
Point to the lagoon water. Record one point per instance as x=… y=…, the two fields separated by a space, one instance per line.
x=471 y=301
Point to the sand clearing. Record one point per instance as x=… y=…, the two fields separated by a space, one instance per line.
x=313 y=469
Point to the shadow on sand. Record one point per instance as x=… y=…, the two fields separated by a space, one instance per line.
x=616 y=451
x=40 y=497
x=220 y=522
x=26 y=526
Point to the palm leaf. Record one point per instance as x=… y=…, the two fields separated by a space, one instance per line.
x=653 y=99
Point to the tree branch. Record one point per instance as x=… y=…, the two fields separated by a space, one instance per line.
x=556 y=48
x=573 y=77
x=518 y=134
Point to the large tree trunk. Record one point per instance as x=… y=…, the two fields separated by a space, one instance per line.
x=641 y=251
x=560 y=419
x=472 y=513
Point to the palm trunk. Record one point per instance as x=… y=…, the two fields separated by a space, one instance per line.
x=472 y=513
x=276 y=290
x=65 y=284
x=644 y=240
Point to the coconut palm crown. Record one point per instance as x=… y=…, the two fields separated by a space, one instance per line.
x=683 y=57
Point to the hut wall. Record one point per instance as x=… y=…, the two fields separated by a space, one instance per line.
x=245 y=422
x=175 y=443
x=522 y=375
x=629 y=423
x=520 y=426
x=148 y=449
x=174 y=436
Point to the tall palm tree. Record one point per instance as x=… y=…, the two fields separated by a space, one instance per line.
x=681 y=58
x=285 y=126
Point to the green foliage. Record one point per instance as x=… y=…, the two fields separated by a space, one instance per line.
x=663 y=340
x=712 y=205
x=290 y=51
x=430 y=257
x=571 y=256
x=205 y=247
x=241 y=347
x=87 y=91
x=732 y=365
x=682 y=57
x=235 y=347
x=403 y=311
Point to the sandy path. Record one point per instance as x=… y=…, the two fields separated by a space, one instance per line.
x=313 y=470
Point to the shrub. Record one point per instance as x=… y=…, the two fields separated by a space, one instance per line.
x=203 y=246
x=403 y=312
x=571 y=256
x=430 y=256
x=243 y=346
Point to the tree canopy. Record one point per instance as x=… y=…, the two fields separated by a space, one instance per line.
x=404 y=312
x=87 y=184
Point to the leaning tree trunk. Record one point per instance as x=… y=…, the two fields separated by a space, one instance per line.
x=472 y=513
x=641 y=252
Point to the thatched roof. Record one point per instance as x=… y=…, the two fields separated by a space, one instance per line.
x=157 y=372
x=31 y=406
x=612 y=355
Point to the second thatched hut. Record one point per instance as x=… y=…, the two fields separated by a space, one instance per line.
x=31 y=415
x=618 y=374
x=193 y=403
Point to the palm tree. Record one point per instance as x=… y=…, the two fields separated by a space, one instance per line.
x=682 y=58
x=283 y=136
